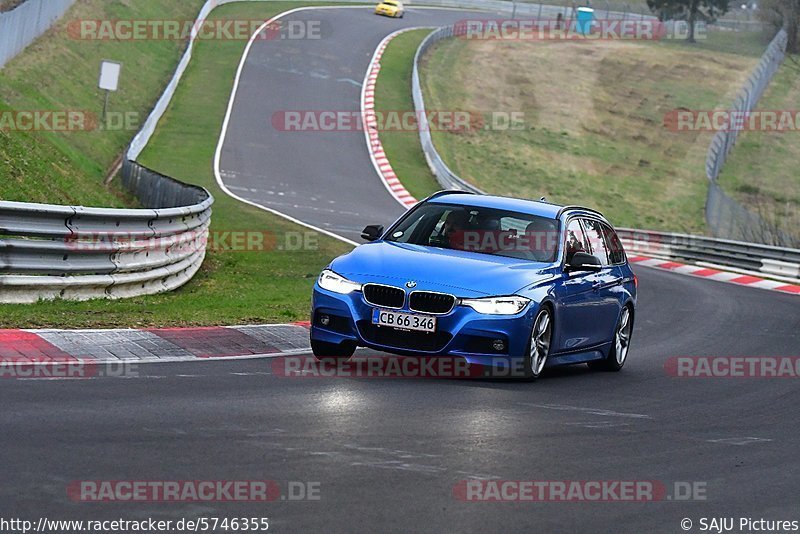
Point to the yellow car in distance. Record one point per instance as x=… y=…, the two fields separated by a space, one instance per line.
x=390 y=8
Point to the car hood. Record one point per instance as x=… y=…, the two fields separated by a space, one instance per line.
x=467 y=274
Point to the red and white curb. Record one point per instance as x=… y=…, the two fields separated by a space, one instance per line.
x=152 y=345
x=715 y=274
x=376 y=152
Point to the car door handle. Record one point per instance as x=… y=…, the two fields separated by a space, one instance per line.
x=597 y=286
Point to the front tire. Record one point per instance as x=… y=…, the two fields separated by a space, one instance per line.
x=618 y=354
x=336 y=352
x=539 y=344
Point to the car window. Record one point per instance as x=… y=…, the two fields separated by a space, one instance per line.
x=408 y=232
x=575 y=240
x=594 y=233
x=449 y=223
x=616 y=254
x=484 y=230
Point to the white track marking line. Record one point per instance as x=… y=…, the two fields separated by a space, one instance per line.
x=592 y=411
x=226 y=123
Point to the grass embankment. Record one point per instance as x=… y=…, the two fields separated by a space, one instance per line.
x=233 y=287
x=593 y=128
x=59 y=72
x=762 y=171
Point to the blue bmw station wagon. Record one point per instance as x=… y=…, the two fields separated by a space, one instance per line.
x=500 y=282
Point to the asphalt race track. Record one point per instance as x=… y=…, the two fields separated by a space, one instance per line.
x=387 y=453
x=323 y=178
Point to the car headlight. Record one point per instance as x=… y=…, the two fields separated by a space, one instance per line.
x=497 y=305
x=338 y=284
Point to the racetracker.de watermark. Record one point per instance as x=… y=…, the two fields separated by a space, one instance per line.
x=454 y=121
x=383 y=367
x=32 y=369
x=177 y=491
x=372 y=367
x=733 y=366
x=720 y=120
x=193 y=241
x=572 y=30
x=578 y=491
x=201 y=29
x=40 y=120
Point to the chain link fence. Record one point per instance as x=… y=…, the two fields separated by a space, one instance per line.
x=725 y=216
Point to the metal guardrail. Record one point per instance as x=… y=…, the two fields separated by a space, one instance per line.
x=526 y=9
x=78 y=253
x=783 y=263
x=446 y=177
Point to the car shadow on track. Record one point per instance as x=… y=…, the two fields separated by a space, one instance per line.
x=382 y=366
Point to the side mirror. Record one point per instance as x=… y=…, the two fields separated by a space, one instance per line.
x=581 y=261
x=372 y=232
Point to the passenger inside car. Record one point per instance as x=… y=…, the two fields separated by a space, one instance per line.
x=541 y=235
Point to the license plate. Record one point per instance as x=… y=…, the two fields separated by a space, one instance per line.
x=404 y=321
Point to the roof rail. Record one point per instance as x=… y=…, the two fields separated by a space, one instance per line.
x=448 y=192
x=574 y=207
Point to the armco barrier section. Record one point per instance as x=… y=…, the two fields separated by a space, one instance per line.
x=446 y=178
x=776 y=262
x=78 y=253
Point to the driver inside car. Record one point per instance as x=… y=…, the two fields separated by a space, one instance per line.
x=452 y=233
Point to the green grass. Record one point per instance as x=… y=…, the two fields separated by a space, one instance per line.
x=392 y=95
x=728 y=42
x=59 y=72
x=593 y=128
x=761 y=171
x=233 y=287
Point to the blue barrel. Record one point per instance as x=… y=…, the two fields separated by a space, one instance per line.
x=583 y=22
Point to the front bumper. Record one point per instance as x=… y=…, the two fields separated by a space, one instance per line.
x=462 y=332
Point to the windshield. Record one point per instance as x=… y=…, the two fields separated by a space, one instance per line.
x=483 y=230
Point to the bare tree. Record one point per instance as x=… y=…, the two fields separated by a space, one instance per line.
x=691 y=10
x=784 y=13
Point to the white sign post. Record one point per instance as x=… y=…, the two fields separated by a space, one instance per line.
x=109 y=80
